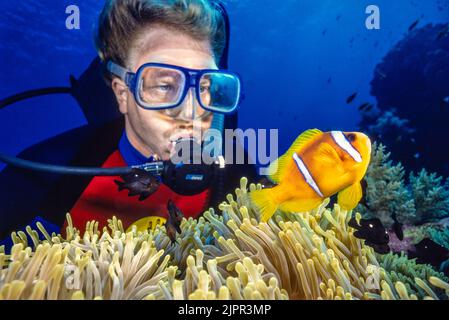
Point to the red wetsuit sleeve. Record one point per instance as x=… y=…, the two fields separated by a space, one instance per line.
x=102 y=200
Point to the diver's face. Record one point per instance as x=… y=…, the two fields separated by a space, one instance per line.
x=152 y=132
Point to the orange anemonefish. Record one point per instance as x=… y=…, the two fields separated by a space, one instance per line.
x=317 y=165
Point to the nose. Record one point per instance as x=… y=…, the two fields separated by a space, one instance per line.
x=189 y=106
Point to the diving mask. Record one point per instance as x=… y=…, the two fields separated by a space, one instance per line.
x=159 y=86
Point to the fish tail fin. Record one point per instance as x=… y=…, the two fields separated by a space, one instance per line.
x=120 y=184
x=266 y=203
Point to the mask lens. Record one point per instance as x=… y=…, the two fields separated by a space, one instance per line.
x=219 y=91
x=160 y=87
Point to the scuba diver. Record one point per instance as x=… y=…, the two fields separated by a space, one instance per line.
x=161 y=73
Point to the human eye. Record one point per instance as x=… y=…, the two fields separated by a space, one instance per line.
x=164 y=87
x=204 y=87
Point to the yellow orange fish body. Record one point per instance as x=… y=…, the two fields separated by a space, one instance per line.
x=317 y=165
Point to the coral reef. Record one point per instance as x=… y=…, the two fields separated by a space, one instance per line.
x=386 y=194
x=412 y=80
x=439 y=236
x=232 y=255
x=386 y=126
x=423 y=198
x=431 y=195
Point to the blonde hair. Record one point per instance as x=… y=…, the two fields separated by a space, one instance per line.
x=121 y=21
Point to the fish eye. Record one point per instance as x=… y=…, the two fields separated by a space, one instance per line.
x=351 y=137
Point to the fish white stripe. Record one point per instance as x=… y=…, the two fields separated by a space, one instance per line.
x=307 y=176
x=341 y=140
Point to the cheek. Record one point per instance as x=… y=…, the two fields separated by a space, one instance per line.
x=152 y=123
x=206 y=123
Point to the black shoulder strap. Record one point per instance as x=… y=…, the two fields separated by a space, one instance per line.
x=26 y=194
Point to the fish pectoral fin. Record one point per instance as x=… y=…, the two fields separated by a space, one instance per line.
x=300 y=205
x=350 y=197
x=278 y=167
x=325 y=154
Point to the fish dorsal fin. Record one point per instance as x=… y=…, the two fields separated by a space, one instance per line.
x=305 y=137
x=349 y=198
x=277 y=167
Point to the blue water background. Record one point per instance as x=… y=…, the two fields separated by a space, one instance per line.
x=286 y=52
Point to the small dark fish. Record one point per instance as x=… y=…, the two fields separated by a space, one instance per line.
x=397 y=228
x=351 y=98
x=373 y=232
x=363 y=106
x=379 y=248
x=429 y=252
x=139 y=183
x=363 y=200
x=324 y=32
x=173 y=224
x=329 y=80
x=175 y=215
x=369 y=108
x=413 y=25
x=338 y=17
x=171 y=233
x=443 y=33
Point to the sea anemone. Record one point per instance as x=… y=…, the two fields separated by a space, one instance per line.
x=230 y=255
